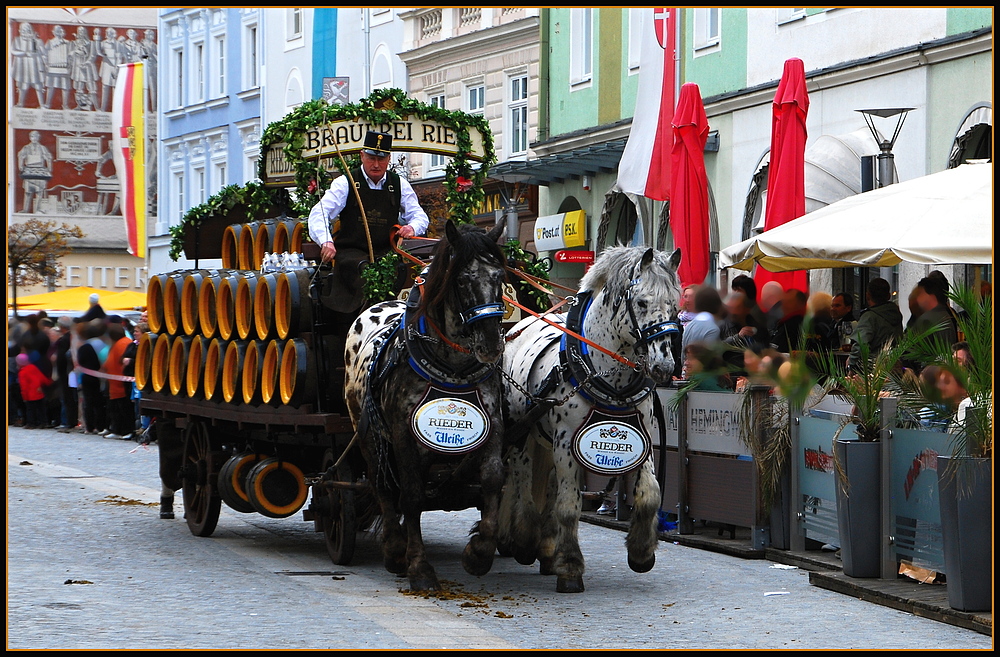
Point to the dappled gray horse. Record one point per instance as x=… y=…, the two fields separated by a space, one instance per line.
x=586 y=397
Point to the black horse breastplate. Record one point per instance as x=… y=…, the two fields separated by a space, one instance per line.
x=575 y=360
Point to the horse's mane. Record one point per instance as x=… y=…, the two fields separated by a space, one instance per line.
x=448 y=259
x=614 y=270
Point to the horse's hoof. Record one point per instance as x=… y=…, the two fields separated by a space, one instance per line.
x=546 y=567
x=642 y=566
x=569 y=584
x=477 y=565
x=505 y=550
x=524 y=556
x=395 y=567
x=424 y=584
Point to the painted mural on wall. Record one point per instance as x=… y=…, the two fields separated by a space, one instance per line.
x=62 y=83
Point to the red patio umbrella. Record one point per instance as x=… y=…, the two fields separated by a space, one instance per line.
x=689 y=186
x=786 y=185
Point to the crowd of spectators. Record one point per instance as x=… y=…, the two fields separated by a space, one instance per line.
x=73 y=374
x=744 y=338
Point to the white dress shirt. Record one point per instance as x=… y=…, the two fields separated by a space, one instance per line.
x=335 y=199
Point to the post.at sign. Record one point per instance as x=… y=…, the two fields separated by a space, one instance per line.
x=560 y=231
x=412 y=134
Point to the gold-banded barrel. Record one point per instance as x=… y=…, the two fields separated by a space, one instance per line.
x=293 y=308
x=144 y=360
x=264 y=306
x=246 y=292
x=214 y=358
x=297 y=381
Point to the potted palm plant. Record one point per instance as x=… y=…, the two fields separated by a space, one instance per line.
x=965 y=476
x=857 y=450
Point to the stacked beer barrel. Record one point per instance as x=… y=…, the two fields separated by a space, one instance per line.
x=232 y=335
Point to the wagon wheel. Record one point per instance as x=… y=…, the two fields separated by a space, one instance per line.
x=340 y=526
x=202 y=502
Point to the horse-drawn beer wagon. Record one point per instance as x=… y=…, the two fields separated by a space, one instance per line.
x=243 y=367
x=270 y=399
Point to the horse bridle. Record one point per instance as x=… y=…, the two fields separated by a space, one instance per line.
x=644 y=335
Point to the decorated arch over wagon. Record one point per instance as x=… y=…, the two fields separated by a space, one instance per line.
x=302 y=153
x=317 y=140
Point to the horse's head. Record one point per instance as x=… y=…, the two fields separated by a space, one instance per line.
x=640 y=288
x=464 y=289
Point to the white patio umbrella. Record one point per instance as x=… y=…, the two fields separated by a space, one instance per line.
x=942 y=218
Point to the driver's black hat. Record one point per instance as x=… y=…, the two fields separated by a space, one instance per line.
x=378 y=144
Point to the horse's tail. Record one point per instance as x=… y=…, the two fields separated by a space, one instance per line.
x=373 y=422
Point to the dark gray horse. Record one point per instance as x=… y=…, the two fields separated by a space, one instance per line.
x=424 y=391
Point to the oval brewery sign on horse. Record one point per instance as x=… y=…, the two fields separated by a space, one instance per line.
x=611 y=444
x=450 y=422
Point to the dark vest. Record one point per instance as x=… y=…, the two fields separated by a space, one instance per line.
x=382 y=207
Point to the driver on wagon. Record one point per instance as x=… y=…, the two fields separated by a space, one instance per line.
x=388 y=200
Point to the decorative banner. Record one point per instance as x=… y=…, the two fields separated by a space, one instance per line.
x=645 y=164
x=128 y=120
x=450 y=422
x=611 y=443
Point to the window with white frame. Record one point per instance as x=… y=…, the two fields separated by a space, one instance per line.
x=178 y=86
x=251 y=74
x=517 y=115
x=181 y=208
x=635 y=37
x=294 y=23
x=198 y=73
x=437 y=161
x=218 y=174
x=220 y=66
x=706 y=27
x=475 y=99
x=788 y=14
x=200 y=185
x=581 y=57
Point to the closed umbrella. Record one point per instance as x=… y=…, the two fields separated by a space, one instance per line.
x=689 y=186
x=786 y=187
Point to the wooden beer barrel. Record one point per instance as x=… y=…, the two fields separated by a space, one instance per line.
x=212 y=382
x=297 y=382
x=276 y=488
x=178 y=364
x=264 y=306
x=270 y=374
x=231 y=246
x=246 y=293
x=225 y=305
x=253 y=363
x=232 y=367
x=293 y=308
x=195 y=372
x=160 y=367
x=144 y=360
x=190 y=300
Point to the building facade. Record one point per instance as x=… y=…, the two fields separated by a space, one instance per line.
x=479 y=61
x=937 y=61
x=211 y=86
x=62 y=66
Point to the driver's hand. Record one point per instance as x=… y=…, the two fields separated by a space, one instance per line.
x=406 y=232
x=327 y=252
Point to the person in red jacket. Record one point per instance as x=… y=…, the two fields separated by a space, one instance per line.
x=33 y=384
x=121 y=420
